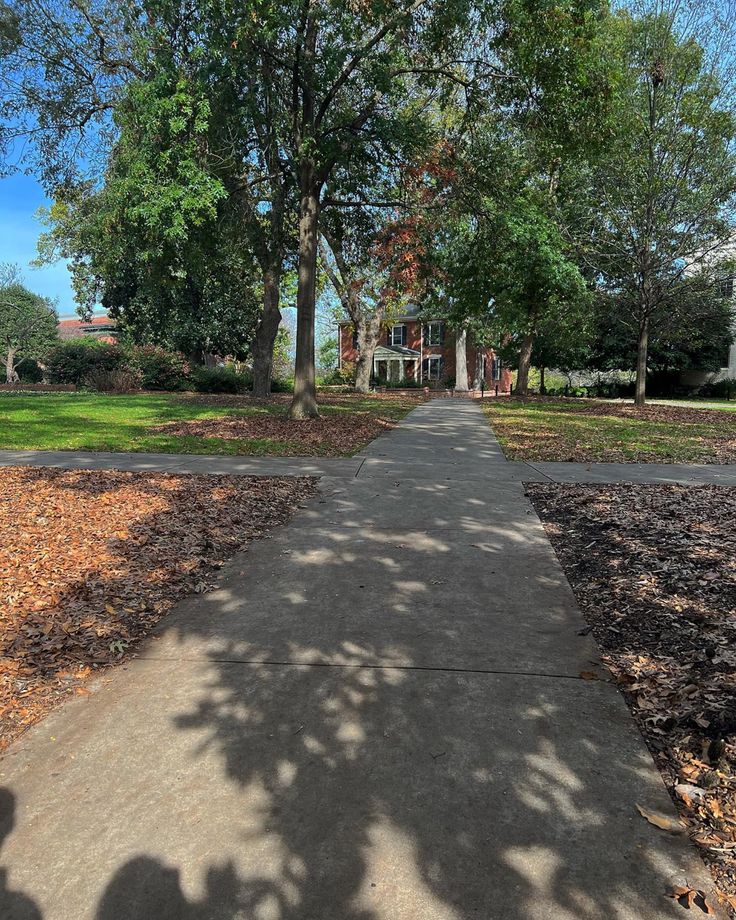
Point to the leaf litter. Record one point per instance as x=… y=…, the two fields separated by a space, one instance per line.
x=91 y=560
x=654 y=571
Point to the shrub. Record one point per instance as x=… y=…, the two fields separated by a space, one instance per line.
x=720 y=389
x=159 y=368
x=219 y=380
x=73 y=361
x=340 y=377
x=29 y=371
x=282 y=386
x=115 y=380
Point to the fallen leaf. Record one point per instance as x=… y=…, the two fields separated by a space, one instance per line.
x=665 y=822
x=691 y=897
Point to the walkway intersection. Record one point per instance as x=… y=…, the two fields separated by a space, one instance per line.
x=378 y=715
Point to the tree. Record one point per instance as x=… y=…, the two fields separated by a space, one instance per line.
x=668 y=180
x=328 y=354
x=692 y=331
x=371 y=259
x=159 y=243
x=27 y=322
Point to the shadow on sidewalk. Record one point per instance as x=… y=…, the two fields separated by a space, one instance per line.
x=338 y=790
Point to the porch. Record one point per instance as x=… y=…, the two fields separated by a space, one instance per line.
x=393 y=364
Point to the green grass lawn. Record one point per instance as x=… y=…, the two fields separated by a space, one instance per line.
x=724 y=404
x=93 y=421
x=587 y=430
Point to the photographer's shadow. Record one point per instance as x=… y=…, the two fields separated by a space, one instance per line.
x=13 y=904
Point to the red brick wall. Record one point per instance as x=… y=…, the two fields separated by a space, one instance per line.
x=413 y=340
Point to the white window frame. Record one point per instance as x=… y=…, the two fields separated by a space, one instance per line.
x=437 y=361
x=429 y=329
x=400 y=327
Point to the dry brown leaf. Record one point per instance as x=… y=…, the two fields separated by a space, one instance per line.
x=665 y=822
x=691 y=897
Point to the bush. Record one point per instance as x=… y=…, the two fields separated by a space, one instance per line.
x=340 y=377
x=282 y=386
x=116 y=380
x=74 y=361
x=720 y=389
x=159 y=368
x=29 y=371
x=220 y=380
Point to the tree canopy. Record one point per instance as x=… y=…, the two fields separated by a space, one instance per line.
x=28 y=322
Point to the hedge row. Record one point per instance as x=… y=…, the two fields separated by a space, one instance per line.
x=109 y=367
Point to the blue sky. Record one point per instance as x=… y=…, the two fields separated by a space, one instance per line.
x=20 y=198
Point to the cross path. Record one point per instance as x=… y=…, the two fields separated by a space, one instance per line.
x=378 y=715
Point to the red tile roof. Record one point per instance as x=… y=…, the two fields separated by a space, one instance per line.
x=101 y=327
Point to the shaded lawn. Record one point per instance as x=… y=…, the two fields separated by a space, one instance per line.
x=90 y=561
x=141 y=422
x=588 y=431
x=653 y=569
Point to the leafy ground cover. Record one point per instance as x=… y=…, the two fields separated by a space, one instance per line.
x=587 y=430
x=90 y=561
x=199 y=424
x=654 y=572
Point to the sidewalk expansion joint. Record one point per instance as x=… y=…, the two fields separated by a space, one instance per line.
x=541 y=472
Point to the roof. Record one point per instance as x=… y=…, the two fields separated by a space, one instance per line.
x=409 y=312
x=97 y=326
x=391 y=351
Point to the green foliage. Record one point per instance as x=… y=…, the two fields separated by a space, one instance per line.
x=220 y=380
x=327 y=354
x=159 y=245
x=720 y=389
x=120 y=379
x=666 y=186
x=28 y=322
x=160 y=369
x=283 y=364
x=76 y=360
x=29 y=371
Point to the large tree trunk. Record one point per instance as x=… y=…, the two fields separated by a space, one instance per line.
x=368 y=334
x=640 y=392
x=461 y=360
x=304 y=403
x=10 y=374
x=478 y=377
x=525 y=360
x=265 y=335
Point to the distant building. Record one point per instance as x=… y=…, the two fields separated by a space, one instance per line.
x=413 y=351
x=99 y=327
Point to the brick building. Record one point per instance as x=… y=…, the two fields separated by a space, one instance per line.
x=410 y=350
x=98 y=327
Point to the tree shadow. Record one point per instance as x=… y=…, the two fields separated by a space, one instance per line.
x=358 y=726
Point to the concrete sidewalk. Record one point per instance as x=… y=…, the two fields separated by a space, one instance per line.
x=378 y=715
x=377 y=461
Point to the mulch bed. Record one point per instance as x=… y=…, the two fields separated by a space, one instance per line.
x=90 y=561
x=327 y=436
x=654 y=571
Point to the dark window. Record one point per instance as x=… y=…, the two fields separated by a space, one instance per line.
x=397 y=335
x=727 y=287
x=355 y=338
x=496 y=368
x=434 y=333
x=433 y=368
